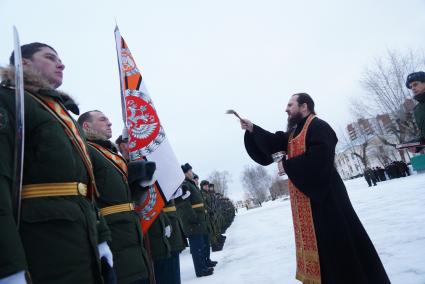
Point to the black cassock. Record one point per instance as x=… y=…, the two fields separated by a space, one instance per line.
x=346 y=253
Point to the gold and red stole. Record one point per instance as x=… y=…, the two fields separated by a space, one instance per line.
x=307 y=253
x=60 y=113
x=116 y=160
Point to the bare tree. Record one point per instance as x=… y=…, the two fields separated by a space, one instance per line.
x=383 y=153
x=279 y=188
x=220 y=179
x=256 y=182
x=358 y=146
x=384 y=83
x=359 y=108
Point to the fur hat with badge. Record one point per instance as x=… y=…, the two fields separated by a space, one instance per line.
x=415 y=76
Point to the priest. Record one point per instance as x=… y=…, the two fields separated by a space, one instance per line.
x=332 y=247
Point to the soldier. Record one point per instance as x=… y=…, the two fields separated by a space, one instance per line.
x=177 y=242
x=167 y=270
x=191 y=208
x=159 y=233
x=196 y=179
x=229 y=213
x=116 y=198
x=209 y=212
x=375 y=172
x=218 y=239
x=57 y=241
x=122 y=144
x=416 y=82
x=370 y=177
x=381 y=173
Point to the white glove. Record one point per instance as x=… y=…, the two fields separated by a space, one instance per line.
x=186 y=195
x=105 y=251
x=124 y=133
x=17 y=278
x=167 y=232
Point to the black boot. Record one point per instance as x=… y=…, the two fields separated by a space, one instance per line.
x=211 y=263
x=206 y=272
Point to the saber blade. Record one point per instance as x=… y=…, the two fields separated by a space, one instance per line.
x=19 y=126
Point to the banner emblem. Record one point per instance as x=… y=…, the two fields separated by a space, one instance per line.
x=128 y=63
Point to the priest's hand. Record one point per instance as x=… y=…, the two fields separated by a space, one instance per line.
x=246 y=124
x=280 y=168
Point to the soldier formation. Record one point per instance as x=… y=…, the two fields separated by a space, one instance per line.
x=74 y=221
x=205 y=217
x=221 y=213
x=395 y=169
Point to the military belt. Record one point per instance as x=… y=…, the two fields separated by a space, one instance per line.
x=169 y=209
x=198 y=205
x=125 y=207
x=53 y=189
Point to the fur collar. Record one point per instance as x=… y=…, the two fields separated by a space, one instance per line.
x=420 y=98
x=34 y=83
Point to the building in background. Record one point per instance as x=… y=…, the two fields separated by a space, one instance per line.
x=371 y=142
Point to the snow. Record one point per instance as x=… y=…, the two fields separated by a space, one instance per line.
x=260 y=243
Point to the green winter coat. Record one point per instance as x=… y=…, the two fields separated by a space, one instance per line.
x=194 y=219
x=160 y=246
x=178 y=241
x=419 y=113
x=130 y=261
x=58 y=236
x=208 y=207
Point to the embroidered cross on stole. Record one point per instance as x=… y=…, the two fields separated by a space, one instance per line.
x=308 y=265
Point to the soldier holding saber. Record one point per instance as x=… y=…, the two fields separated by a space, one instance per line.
x=58 y=237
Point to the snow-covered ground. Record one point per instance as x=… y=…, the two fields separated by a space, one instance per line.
x=260 y=243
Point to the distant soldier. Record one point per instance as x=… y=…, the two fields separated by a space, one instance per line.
x=122 y=144
x=210 y=213
x=196 y=179
x=381 y=173
x=217 y=206
x=406 y=169
x=192 y=211
x=376 y=174
x=369 y=177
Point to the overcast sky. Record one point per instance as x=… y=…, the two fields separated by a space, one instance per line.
x=200 y=58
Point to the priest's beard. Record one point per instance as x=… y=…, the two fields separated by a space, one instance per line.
x=293 y=121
